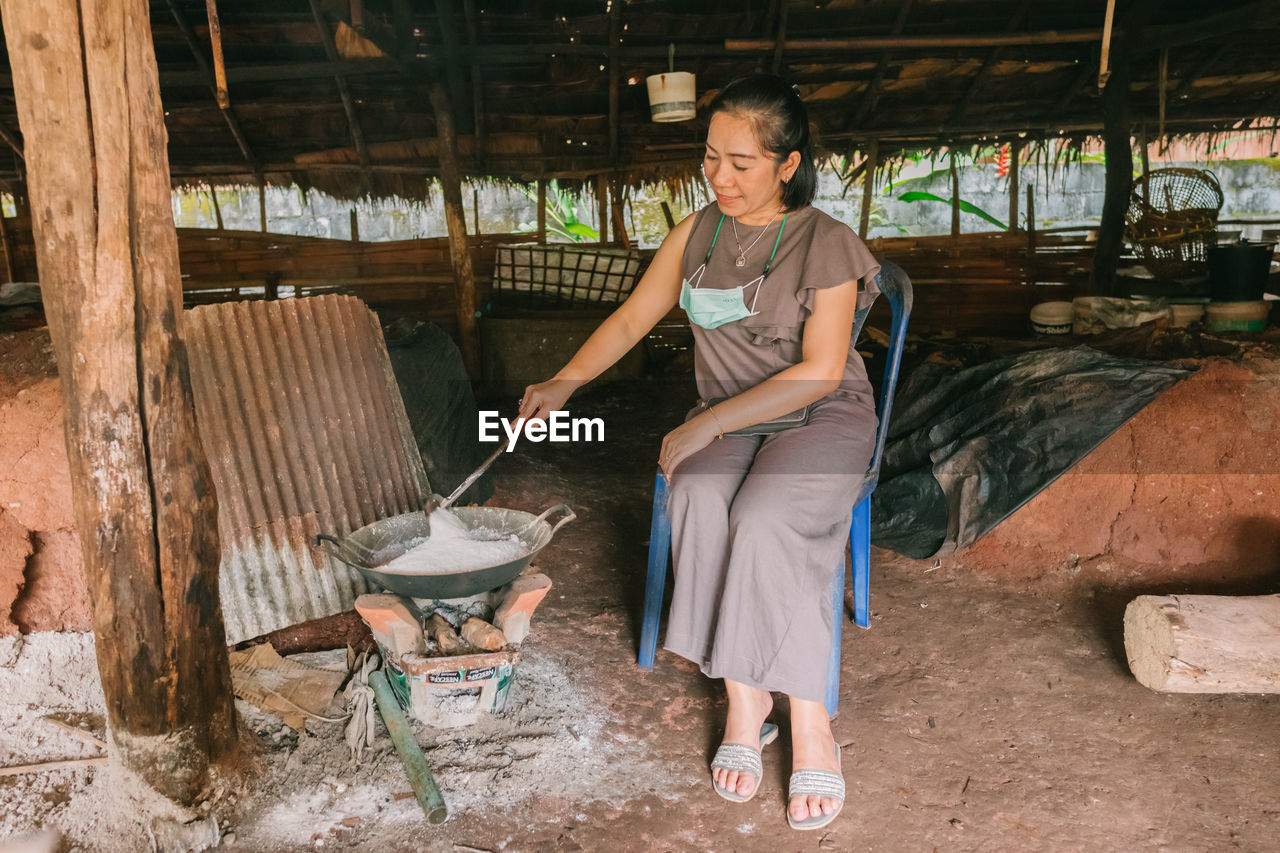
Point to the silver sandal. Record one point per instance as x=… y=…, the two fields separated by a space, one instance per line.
x=743 y=759
x=816 y=783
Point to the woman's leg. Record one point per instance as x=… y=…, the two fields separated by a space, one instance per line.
x=811 y=749
x=748 y=708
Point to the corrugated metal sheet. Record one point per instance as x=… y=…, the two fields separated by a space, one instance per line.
x=305 y=431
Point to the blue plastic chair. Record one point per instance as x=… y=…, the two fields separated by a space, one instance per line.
x=896 y=287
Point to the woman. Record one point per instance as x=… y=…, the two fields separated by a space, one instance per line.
x=771 y=286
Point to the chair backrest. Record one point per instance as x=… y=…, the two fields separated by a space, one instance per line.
x=896 y=287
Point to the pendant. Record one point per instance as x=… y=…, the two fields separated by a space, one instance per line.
x=740 y=262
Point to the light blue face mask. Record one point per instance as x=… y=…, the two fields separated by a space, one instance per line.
x=710 y=308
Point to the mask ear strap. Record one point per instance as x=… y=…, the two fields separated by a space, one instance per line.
x=695 y=280
x=759 y=283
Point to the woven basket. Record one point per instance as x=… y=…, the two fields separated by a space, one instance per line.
x=1173 y=220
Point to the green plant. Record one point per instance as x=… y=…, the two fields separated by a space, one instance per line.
x=562 y=215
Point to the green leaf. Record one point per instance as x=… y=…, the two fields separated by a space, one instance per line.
x=967 y=207
x=584 y=231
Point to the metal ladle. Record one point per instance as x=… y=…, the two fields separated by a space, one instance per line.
x=435 y=502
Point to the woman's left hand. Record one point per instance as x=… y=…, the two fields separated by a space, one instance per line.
x=686 y=440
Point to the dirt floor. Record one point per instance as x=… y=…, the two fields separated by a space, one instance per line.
x=984 y=710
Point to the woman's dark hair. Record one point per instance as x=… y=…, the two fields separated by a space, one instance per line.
x=781 y=125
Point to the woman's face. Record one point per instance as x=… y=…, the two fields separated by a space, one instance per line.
x=746 y=179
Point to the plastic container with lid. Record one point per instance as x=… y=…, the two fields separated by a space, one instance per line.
x=1237 y=316
x=1052 y=318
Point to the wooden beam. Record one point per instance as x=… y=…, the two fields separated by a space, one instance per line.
x=1031 y=235
x=11 y=141
x=344 y=92
x=615 y=81
x=217 y=208
x=876 y=86
x=780 y=42
x=1086 y=73
x=988 y=64
x=917 y=42
x=262 y=202
x=459 y=251
x=143 y=498
x=1199 y=70
x=216 y=81
x=1258 y=15
x=869 y=164
x=477 y=84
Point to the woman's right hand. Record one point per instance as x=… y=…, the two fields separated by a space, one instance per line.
x=540 y=400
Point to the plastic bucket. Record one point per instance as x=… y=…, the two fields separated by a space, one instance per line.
x=1237 y=316
x=672 y=96
x=1238 y=272
x=1052 y=318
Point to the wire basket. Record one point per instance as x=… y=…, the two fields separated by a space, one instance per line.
x=1173 y=220
x=534 y=275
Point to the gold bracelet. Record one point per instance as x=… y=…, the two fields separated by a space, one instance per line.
x=712 y=411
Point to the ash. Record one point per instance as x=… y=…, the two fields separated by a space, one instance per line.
x=551 y=739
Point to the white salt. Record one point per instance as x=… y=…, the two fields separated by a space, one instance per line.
x=453 y=547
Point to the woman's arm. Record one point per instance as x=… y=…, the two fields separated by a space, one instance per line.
x=824 y=352
x=655 y=295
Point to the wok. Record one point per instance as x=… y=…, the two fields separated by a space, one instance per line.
x=377 y=544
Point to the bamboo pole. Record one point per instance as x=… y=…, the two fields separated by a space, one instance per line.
x=459 y=249
x=415 y=763
x=219 y=67
x=666 y=214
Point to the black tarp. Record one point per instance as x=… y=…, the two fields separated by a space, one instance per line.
x=967 y=448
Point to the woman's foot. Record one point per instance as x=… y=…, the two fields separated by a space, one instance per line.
x=748 y=707
x=812 y=749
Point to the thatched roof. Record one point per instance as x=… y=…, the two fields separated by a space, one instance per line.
x=540 y=88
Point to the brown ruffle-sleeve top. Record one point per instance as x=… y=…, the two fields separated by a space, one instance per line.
x=816 y=252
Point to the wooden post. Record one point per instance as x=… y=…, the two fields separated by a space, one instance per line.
x=1015 y=156
x=1031 y=235
x=1144 y=147
x=602 y=207
x=262 y=201
x=4 y=245
x=464 y=287
x=868 y=187
x=475 y=208
x=666 y=214
x=955 y=197
x=107 y=253
x=542 y=210
x=217 y=208
x=215 y=42
x=355 y=226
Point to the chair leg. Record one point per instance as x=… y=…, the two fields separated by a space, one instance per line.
x=860 y=548
x=656 y=578
x=832 y=698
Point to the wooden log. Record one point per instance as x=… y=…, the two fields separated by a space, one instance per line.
x=1015 y=155
x=459 y=256
x=955 y=198
x=1204 y=643
x=144 y=503
x=542 y=210
x=602 y=207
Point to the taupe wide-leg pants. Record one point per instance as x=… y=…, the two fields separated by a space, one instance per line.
x=759 y=526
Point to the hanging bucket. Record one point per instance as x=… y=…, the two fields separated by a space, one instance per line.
x=671 y=96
